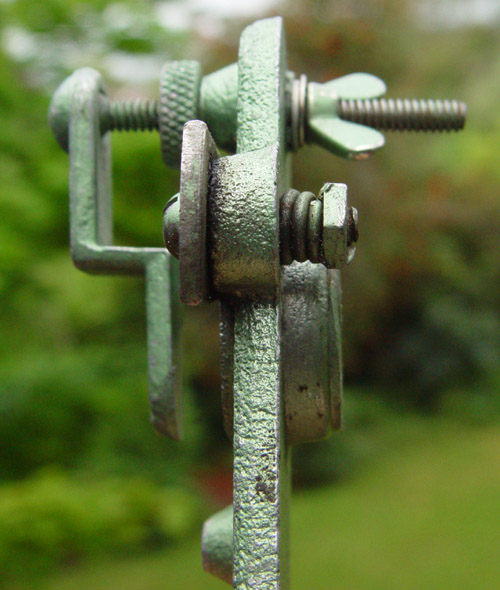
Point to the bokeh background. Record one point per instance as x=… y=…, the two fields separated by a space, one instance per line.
x=408 y=495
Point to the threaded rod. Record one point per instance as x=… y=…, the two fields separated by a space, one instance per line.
x=136 y=114
x=301 y=227
x=397 y=114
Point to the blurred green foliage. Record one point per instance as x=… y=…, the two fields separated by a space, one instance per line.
x=421 y=300
x=88 y=412
x=52 y=519
x=423 y=514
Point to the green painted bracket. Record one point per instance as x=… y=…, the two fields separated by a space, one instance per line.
x=261 y=480
x=74 y=112
x=250 y=544
x=276 y=321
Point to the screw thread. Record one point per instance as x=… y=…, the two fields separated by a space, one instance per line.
x=301 y=227
x=135 y=114
x=405 y=114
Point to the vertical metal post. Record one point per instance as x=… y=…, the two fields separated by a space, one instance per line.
x=261 y=460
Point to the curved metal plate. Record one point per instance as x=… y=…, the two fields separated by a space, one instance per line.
x=311 y=354
x=334 y=353
x=305 y=365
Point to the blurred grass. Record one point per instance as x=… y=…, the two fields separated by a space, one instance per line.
x=424 y=515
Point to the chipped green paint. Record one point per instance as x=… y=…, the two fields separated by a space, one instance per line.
x=261 y=480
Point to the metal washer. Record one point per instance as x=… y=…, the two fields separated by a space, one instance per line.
x=198 y=152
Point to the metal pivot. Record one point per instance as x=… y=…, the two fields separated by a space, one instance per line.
x=318 y=229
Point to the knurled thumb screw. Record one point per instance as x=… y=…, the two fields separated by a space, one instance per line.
x=177 y=104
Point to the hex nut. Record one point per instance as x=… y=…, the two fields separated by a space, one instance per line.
x=335 y=224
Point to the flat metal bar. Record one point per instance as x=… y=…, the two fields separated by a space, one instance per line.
x=261 y=461
x=261 y=464
x=164 y=350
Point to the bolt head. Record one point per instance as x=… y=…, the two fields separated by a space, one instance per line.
x=339 y=225
x=171 y=226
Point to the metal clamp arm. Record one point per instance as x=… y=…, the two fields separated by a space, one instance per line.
x=75 y=113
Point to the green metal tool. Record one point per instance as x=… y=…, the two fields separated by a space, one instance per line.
x=270 y=254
